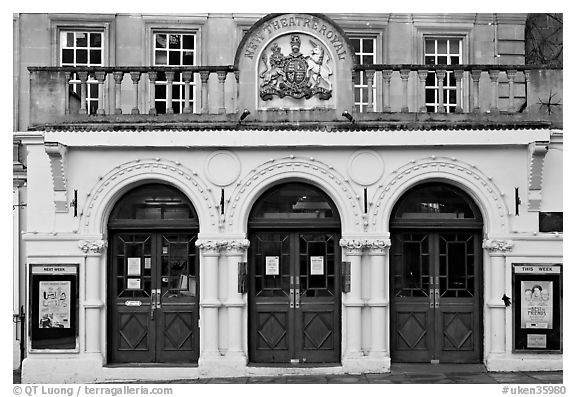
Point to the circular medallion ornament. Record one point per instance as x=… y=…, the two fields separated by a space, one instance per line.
x=365 y=167
x=222 y=168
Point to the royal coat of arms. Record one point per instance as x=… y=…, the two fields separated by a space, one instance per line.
x=295 y=74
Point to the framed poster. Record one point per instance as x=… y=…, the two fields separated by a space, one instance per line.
x=272 y=265
x=53 y=307
x=537 y=307
x=316 y=265
x=133 y=266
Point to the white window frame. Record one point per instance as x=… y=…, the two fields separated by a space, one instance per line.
x=363 y=85
x=448 y=55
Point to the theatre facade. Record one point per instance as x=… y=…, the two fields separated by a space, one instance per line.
x=234 y=194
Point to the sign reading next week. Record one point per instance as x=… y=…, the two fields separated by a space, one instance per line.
x=54 y=269
x=537 y=269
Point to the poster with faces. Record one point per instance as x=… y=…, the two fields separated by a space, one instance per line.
x=536 y=305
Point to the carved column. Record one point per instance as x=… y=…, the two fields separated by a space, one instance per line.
x=101 y=77
x=369 y=85
x=494 y=79
x=440 y=75
x=169 y=87
x=386 y=76
x=404 y=75
x=353 y=300
x=94 y=302
x=497 y=250
x=458 y=73
x=117 y=98
x=83 y=76
x=378 y=302
x=234 y=252
x=152 y=76
x=511 y=74
x=209 y=302
x=221 y=82
x=476 y=90
x=422 y=74
x=204 y=75
x=135 y=79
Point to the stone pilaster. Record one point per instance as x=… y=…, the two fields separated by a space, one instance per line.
x=353 y=300
x=94 y=302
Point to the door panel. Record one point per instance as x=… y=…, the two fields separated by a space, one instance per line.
x=146 y=327
x=435 y=296
x=294 y=309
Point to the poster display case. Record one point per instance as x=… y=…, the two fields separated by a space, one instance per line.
x=537 y=307
x=53 y=306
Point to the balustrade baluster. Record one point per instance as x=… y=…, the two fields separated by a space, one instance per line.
x=187 y=76
x=422 y=74
x=204 y=75
x=221 y=81
x=101 y=77
x=476 y=90
x=83 y=76
x=117 y=98
x=494 y=79
x=458 y=73
x=404 y=74
x=369 y=86
x=152 y=76
x=440 y=75
x=386 y=77
x=511 y=74
x=67 y=77
x=169 y=86
x=135 y=79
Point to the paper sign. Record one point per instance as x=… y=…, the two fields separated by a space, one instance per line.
x=164 y=250
x=54 y=304
x=133 y=266
x=536 y=341
x=54 y=269
x=133 y=283
x=316 y=265
x=147 y=263
x=537 y=269
x=537 y=304
x=272 y=265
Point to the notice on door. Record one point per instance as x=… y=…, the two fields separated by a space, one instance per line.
x=272 y=265
x=133 y=266
x=316 y=265
x=54 y=304
x=536 y=306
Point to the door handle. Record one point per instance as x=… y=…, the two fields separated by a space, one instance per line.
x=431 y=297
x=152 y=303
x=436 y=298
x=291 y=298
x=297 y=298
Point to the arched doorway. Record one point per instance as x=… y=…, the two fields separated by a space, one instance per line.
x=436 y=276
x=153 y=277
x=294 y=268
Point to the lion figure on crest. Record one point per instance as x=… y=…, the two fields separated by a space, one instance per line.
x=318 y=69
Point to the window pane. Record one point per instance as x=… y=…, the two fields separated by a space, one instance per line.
x=367 y=59
x=188 y=41
x=356 y=44
x=160 y=91
x=69 y=39
x=429 y=60
x=357 y=95
x=188 y=58
x=160 y=58
x=160 y=41
x=82 y=56
x=454 y=60
x=368 y=45
x=174 y=58
x=95 y=57
x=442 y=47
x=95 y=39
x=442 y=60
x=454 y=46
x=67 y=56
x=174 y=41
x=430 y=47
x=81 y=39
x=92 y=90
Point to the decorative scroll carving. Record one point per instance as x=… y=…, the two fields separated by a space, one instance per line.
x=240 y=245
x=94 y=247
x=364 y=244
x=498 y=246
x=57 y=155
x=538 y=151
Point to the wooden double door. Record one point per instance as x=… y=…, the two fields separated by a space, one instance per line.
x=153 y=297
x=435 y=280
x=294 y=296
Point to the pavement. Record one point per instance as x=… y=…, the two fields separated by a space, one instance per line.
x=400 y=374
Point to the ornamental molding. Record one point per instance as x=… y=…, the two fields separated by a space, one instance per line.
x=158 y=169
x=362 y=244
x=497 y=246
x=240 y=245
x=538 y=152
x=57 y=153
x=93 y=247
x=302 y=168
x=450 y=169
x=223 y=245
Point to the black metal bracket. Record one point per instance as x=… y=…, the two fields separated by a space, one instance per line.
x=74 y=203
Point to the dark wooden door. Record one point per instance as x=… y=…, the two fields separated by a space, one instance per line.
x=153 y=292
x=294 y=301
x=436 y=296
